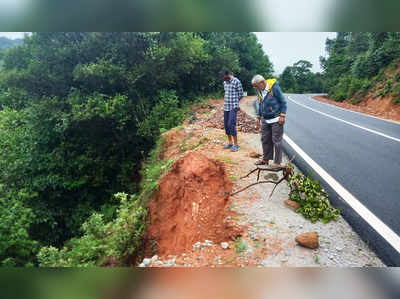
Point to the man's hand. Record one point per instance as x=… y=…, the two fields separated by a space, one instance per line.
x=281 y=120
x=258 y=121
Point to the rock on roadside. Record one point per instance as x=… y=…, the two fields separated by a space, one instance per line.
x=309 y=240
x=293 y=204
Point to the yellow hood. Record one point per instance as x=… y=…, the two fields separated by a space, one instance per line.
x=270 y=83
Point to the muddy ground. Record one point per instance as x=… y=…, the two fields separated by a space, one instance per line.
x=196 y=223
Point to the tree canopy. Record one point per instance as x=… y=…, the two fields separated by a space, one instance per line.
x=82 y=111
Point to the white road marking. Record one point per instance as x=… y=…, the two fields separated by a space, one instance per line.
x=391 y=237
x=346 y=122
x=348 y=110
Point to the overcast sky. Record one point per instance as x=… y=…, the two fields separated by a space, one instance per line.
x=12 y=35
x=286 y=48
x=283 y=48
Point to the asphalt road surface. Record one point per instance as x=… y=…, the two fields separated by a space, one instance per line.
x=362 y=154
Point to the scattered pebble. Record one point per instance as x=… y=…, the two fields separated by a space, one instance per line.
x=146 y=262
x=224 y=245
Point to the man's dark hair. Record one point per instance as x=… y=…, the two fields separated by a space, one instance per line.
x=225 y=72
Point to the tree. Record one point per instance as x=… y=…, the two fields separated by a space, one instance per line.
x=355 y=58
x=82 y=110
x=299 y=78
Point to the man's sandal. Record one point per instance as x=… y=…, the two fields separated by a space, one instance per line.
x=261 y=162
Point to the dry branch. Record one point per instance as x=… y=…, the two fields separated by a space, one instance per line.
x=286 y=172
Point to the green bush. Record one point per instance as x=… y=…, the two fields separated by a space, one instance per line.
x=396 y=94
x=341 y=90
x=16 y=246
x=396 y=90
x=116 y=241
x=355 y=86
x=313 y=199
x=388 y=87
x=102 y=243
x=362 y=67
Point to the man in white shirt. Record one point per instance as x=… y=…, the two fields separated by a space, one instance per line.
x=272 y=114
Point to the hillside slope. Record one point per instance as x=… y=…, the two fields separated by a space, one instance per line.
x=380 y=99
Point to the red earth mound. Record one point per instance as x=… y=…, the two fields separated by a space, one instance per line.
x=190 y=206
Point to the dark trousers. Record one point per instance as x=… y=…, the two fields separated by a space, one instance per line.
x=271 y=138
x=230 y=118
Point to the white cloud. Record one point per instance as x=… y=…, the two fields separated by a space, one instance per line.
x=290 y=15
x=13 y=35
x=286 y=48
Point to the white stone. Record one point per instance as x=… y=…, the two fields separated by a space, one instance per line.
x=146 y=262
x=154 y=258
x=196 y=245
x=224 y=245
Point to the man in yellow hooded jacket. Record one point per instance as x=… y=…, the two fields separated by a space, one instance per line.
x=272 y=114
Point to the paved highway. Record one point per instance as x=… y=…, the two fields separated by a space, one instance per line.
x=362 y=155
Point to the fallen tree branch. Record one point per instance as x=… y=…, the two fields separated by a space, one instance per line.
x=286 y=172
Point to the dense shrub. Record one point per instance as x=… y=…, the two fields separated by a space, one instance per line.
x=82 y=111
x=362 y=58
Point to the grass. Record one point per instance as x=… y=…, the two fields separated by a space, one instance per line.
x=203 y=140
x=228 y=261
x=233 y=178
x=193 y=146
x=152 y=170
x=183 y=146
x=240 y=246
x=226 y=160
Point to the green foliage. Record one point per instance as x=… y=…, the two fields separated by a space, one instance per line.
x=341 y=90
x=388 y=87
x=357 y=60
x=83 y=110
x=113 y=242
x=396 y=100
x=240 y=246
x=167 y=114
x=16 y=246
x=102 y=243
x=357 y=86
x=313 y=200
x=299 y=79
x=397 y=77
x=152 y=169
x=396 y=94
x=250 y=58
